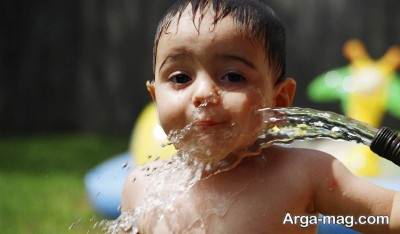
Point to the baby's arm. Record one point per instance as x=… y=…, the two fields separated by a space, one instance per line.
x=395 y=213
x=338 y=192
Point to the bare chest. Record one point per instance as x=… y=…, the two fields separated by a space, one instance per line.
x=242 y=206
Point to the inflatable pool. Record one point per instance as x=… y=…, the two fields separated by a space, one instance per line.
x=104 y=184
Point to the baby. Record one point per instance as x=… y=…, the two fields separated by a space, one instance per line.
x=216 y=63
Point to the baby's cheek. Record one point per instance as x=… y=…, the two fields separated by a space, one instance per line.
x=172 y=121
x=242 y=103
x=167 y=113
x=171 y=115
x=243 y=108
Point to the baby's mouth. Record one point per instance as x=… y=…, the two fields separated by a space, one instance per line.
x=207 y=122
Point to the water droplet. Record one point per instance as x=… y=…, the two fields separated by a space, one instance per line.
x=72 y=226
x=125 y=165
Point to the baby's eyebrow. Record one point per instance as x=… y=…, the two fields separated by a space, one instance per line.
x=185 y=55
x=174 y=57
x=236 y=58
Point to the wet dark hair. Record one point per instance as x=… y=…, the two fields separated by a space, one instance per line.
x=254 y=16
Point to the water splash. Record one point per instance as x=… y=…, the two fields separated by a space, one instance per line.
x=284 y=125
x=200 y=155
x=167 y=182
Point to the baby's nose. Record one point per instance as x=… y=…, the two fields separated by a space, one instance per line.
x=207 y=92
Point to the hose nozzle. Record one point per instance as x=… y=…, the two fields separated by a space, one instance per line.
x=386 y=143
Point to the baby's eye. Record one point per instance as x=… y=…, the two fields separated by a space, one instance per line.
x=233 y=77
x=180 y=78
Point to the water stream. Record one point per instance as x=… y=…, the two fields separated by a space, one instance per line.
x=284 y=125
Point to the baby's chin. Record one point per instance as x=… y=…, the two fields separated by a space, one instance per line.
x=214 y=144
x=206 y=150
x=213 y=152
x=213 y=161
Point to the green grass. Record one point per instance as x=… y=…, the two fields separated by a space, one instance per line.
x=41 y=182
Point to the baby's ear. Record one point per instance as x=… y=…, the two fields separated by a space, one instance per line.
x=151 y=89
x=284 y=92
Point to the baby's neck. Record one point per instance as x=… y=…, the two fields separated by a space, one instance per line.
x=226 y=164
x=231 y=161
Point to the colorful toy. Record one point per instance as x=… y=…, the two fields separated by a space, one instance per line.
x=366 y=89
x=148 y=139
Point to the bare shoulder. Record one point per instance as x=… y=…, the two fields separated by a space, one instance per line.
x=307 y=158
x=135 y=185
x=306 y=164
x=132 y=189
x=318 y=164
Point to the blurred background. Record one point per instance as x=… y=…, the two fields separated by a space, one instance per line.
x=72 y=83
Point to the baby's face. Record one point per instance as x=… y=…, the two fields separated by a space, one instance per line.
x=215 y=78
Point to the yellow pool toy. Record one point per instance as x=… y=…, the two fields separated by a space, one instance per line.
x=148 y=138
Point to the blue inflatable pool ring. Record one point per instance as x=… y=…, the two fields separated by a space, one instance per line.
x=104 y=184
